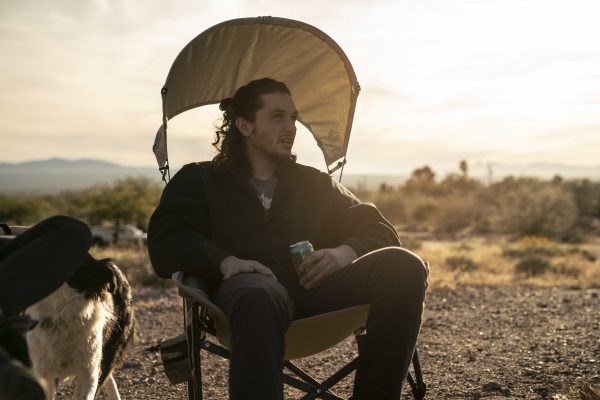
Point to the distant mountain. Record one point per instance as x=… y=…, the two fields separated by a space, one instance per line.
x=54 y=175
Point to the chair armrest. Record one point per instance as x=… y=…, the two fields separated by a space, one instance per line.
x=17 y=230
x=193 y=288
x=7 y=230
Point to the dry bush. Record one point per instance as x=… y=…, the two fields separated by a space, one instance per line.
x=570 y=265
x=391 y=204
x=409 y=210
x=461 y=263
x=532 y=266
x=419 y=208
x=566 y=270
x=457 y=213
x=533 y=246
x=411 y=243
x=531 y=207
x=588 y=255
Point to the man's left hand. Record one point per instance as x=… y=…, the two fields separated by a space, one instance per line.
x=321 y=263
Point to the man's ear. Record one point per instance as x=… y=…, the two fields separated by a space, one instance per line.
x=243 y=126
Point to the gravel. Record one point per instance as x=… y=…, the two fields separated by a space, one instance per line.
x=476 y=342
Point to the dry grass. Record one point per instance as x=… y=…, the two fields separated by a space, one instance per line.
x=134 y=262
x=492 y=260
x=480 y=260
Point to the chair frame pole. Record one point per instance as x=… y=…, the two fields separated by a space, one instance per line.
x=417 y=384
x=314 y=388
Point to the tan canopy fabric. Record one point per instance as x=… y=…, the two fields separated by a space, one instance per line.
x=231 y=54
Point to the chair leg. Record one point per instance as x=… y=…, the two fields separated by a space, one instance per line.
x=417 y=387
x=192 y=324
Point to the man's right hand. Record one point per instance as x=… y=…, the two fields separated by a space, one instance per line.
x=232 y=265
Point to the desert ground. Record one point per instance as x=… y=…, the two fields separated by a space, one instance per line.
x=491 y=328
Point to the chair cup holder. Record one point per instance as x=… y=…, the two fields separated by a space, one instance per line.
x=174 y=356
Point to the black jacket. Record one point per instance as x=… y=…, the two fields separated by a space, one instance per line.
x=206 y=214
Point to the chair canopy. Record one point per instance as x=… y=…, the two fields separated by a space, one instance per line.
x=231 y=54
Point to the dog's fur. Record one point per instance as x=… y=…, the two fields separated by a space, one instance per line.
x=83 y=330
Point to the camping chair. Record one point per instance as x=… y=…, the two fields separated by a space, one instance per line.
x=325 y=89
x=181 y=356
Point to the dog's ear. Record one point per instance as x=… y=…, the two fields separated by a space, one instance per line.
x=106 y=276
x=111 y=282
x=93 y=277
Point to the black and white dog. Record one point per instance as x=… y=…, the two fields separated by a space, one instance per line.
x=84 y=329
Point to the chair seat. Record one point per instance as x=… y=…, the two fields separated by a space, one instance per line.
x=325 y=330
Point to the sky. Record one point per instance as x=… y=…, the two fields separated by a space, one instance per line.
x=487 y=81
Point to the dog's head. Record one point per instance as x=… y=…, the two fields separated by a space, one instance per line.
x=94 y=277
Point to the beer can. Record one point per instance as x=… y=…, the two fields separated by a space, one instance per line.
x=299 y=251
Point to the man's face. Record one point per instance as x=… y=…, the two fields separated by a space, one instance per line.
x=271 y=136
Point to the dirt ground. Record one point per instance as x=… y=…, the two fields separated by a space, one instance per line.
x=475 y=342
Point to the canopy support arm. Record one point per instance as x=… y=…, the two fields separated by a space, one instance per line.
x=164 y=170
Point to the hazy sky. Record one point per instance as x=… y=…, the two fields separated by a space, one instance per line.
x=482 y=80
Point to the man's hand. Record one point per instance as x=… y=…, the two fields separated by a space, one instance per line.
x=232 y=265
x=322 y=263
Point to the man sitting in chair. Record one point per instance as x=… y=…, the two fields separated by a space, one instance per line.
x=231 y=221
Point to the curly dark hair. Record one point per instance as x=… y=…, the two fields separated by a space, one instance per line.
x=229 y=141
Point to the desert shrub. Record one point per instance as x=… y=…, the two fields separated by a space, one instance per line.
x=587 y=197
x=455 y=183
x=530 y=246
x=128 y=200
x=461 y=263
x=588 y=255
x=532 y=266
x=566 y=270
x=411 y=243
x=421 y=209
x=24 y=209
x=456 y=213
x=532 y=207
x=591 y=257
x=462 y=246
x=391 y=205
x=422 y=180
x=411 y=211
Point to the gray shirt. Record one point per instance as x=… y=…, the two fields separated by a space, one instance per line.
x=264 y=190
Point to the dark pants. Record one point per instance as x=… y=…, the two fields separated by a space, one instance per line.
x=37 y=262
x=260 y=309
x=33 y=265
